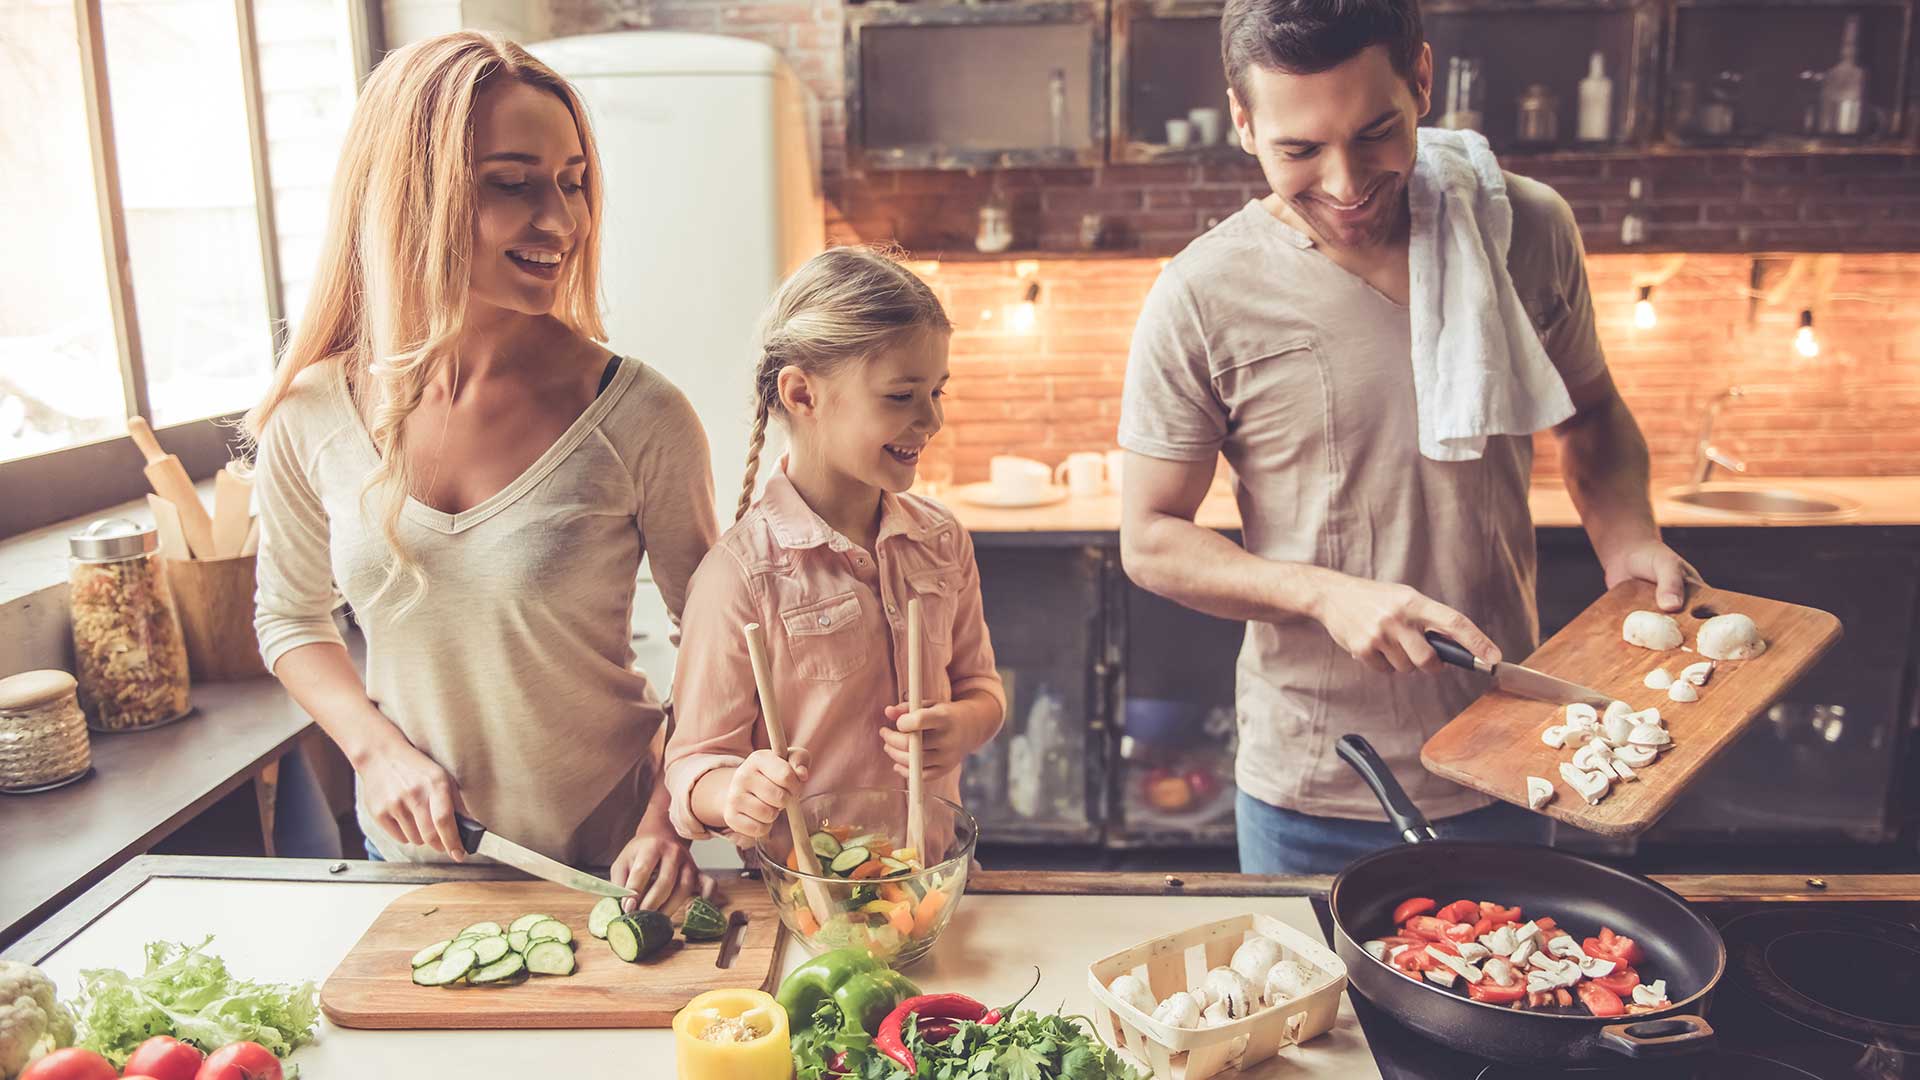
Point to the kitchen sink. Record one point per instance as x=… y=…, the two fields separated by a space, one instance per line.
x=1764 y=501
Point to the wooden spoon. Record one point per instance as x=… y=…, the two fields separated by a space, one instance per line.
x=803 y=855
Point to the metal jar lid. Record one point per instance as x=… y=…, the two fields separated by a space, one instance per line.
x=32 y=689
x=113 y=538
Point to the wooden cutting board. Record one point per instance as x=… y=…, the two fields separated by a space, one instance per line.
x=373 y=987
x=1495 y=744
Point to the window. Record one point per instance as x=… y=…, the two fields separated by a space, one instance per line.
x=190 y=143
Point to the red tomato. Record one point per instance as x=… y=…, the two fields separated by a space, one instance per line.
x=166 y=1058
x=1600 y=1001
x=1483 y=928
x=1465 y=911
x=1415 y=960
x=241 y=1061
x=1499 y=914
x=1629 y=950
x=1444 y=946
x=1494 y=994
x=1546 y=923
x=1620 y=950
x=70 y=1064
x=1419 y=905
x=1396 y=940
x=1425 y=926
x=1622 y=981
x=1460 y=933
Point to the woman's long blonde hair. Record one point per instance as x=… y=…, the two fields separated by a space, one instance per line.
x=845 y=303
x=390 y=295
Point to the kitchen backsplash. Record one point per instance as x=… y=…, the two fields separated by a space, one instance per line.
x=1051 y=386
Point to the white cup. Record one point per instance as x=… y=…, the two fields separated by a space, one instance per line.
x=1084 y=473
x=1207 y=127
x=1179 y=133
x=1015 y=477
x=1115 y=460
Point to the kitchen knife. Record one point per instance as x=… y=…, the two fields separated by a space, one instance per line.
x=1515 y=679
x=478 y=841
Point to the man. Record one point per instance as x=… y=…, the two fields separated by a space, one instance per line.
x=1281 y=339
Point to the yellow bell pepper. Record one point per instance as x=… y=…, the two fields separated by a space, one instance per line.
x=733 y=1035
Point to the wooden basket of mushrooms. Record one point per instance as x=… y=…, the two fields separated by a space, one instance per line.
x=1228 y=994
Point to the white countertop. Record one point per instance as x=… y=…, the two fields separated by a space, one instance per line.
x=288 y=931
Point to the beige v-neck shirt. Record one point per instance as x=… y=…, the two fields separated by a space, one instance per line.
x=1256 y=346
x=515 y=670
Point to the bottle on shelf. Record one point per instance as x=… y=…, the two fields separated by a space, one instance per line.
x=1633 y=227
x=1463 y=94
x=1843 y=92
x=1596 y=101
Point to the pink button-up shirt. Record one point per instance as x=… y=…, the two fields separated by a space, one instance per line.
x=836 y=618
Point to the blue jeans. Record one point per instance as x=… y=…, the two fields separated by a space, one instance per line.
x=1276 y=841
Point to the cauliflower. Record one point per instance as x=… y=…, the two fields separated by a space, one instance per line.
x=32 y=1021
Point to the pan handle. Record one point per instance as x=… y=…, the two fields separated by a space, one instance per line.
x=1407 y=819
x=1667 y=1036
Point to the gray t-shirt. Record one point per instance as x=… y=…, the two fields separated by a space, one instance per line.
x=1255 y=345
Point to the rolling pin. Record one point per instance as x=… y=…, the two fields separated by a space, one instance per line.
x=170 y=482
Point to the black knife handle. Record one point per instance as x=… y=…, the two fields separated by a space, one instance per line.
x=470 y=833
x=1451 y=651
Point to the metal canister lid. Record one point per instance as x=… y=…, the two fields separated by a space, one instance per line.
x=113 y=538
x=32 y=689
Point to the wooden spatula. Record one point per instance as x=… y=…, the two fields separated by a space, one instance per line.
x=803 y=855
x=232 y=503
x=166 y=521
x=916 y=782
x=170 y=481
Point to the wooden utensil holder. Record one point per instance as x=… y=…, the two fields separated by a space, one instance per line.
x=214 y=598
x=1178 y=962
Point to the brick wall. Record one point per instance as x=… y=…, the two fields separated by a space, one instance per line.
x=1853 y=410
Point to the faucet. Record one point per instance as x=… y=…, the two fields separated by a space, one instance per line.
x=1706 y=454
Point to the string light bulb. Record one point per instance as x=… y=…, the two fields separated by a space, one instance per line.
x=1643 y=313
x=1025 y=314
x=1804 y=342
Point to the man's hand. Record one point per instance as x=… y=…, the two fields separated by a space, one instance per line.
x=1651 y=560
x=1384 y=625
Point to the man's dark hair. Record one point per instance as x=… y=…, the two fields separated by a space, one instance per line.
x=1305 y=37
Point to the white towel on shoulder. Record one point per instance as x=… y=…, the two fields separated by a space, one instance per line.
x=1478 y=365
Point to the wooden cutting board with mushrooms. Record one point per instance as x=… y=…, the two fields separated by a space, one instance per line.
x=1686 y=686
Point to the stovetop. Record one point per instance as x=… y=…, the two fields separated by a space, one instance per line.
x=1822 y=990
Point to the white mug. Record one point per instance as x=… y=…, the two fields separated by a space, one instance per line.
x=1083 y=472
x=1179 y=133
x=1017 y=477
x=1207 y=127
x=1115 y=459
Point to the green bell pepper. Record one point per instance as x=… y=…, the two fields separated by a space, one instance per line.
x=862 y=989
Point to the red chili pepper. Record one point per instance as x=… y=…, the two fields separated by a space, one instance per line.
x=940 y=1016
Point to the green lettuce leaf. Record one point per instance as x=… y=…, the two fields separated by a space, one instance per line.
x=188 y=993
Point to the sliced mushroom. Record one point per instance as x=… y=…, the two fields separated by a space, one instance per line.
x=1460 y=967
x=1651 y=630
x=1500 y=942
x=1623 y=771
x=1500 y=971
x=1616 y=726
x=1539 y=792
x=1582 y=714
x=1654 y=993
x=1730 y=637
x=1529 y=930
x=1617 y=708
x=1597 y=967
x=1636 y=756
x=1649 y=715
x=1699 y=673
x=1658 y=679
x=1131 y=990
x=1592 y=755
x=1442 y=976
x=1254 y=958
x=1555 y=736
x=1683 y=691
x=1591 y=786
x=1649 y=735
x=1473 y=952
x=1523 y=952
x=1178 y=1010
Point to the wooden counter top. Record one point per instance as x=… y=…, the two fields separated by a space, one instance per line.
x=1884 y=500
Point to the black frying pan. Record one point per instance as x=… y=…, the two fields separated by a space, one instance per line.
x=1581 y=895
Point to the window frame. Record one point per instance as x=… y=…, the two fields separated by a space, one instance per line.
x=61 y=484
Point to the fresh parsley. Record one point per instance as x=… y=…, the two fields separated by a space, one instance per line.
x=1024 y=1046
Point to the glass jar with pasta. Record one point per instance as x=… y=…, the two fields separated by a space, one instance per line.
x=129 y=654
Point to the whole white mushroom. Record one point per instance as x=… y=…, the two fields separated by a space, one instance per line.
x=1179 y=1010
x=1289 y=979
x=1132 y=990
x=1255 y=957
x=1651 y=630
x=1730 y=637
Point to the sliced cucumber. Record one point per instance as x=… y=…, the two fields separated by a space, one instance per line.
x=489 y=950
x=431 y=953
x=893 y=865
x=848 y=859
x=482 y=929
x=526 y=922
x=640 y=935
x=550 y=958
x=604 y=912
x=865 y=840
x=455 y=962
x=550 y=930
x=624 y=939
x=824 y=845
x=517 y=941
x=500 y=970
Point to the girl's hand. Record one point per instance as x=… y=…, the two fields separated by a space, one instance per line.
x=761 y=788
x=658 y=865
x=947 y=736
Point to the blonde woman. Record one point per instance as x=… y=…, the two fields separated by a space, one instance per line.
x=449 y=445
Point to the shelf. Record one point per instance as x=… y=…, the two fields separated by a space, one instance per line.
x=1033 y=254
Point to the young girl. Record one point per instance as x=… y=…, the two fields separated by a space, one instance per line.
x=448 y=444
x=854 y=361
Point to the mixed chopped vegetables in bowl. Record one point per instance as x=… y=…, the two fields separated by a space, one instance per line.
x=873 y=890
